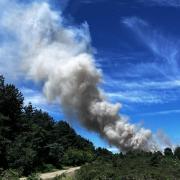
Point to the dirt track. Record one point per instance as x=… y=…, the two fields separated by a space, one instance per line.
x=48 y=176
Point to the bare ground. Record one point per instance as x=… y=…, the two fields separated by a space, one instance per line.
x=51 y=175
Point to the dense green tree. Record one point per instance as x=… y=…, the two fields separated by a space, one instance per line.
x=11 y=100
x=4 y=140
x=177 y=152
x=156 y=158
x=21 y=155
x=168 y=152
x=31 y=140
x=55 y=154
x=77 y=157
x=103 y=152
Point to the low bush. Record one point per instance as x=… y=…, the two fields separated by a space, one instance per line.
x=9 y=175
x=34 y=176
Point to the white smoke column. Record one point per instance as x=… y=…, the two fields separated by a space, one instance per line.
x=60 y=57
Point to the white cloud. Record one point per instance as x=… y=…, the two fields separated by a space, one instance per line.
x=39 y=101
x=92 y=1
x=165 y=112
x=143 y=91
x=33 y=96
x=144 y=84
x=134 y=96
x=159 y=80
x=165 y=49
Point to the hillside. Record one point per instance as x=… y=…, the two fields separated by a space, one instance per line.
x=135 y=165
x=33 y=142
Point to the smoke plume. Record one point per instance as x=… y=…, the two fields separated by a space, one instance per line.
x=60 y=57
x=164 y=139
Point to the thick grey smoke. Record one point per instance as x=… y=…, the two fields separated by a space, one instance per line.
x=60 y=57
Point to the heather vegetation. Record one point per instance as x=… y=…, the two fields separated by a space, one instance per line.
x=135 y=165
x=32 y=142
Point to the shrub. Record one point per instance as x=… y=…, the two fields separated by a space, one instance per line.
x=177 y=152
x=34 y=176
x=9 y=175
x=63 y=177
x=168 y=152
x=46 y=168
x=77 y=157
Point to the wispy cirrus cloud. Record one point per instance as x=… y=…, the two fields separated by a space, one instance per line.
x=142 y=91
x=165 y=3
x=143 y=96
x=92 y=1
x=146 y=84
x=152 y=81
x=165 y=49
x=165 y=112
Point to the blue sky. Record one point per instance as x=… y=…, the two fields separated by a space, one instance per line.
x=136 y=45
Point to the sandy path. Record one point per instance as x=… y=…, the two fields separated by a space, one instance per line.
x=48 y=176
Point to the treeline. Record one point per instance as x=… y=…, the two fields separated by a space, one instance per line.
x=31 y=141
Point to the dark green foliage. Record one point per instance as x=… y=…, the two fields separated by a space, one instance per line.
x=156 y=158
x=47 y=168
x=4 y=139
x=30 y=140
x=102 y=152
x=168 y=152
x=77 y=157
x=9 y=174
x=33 y=176
x=177 y=152
x=11 y=100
